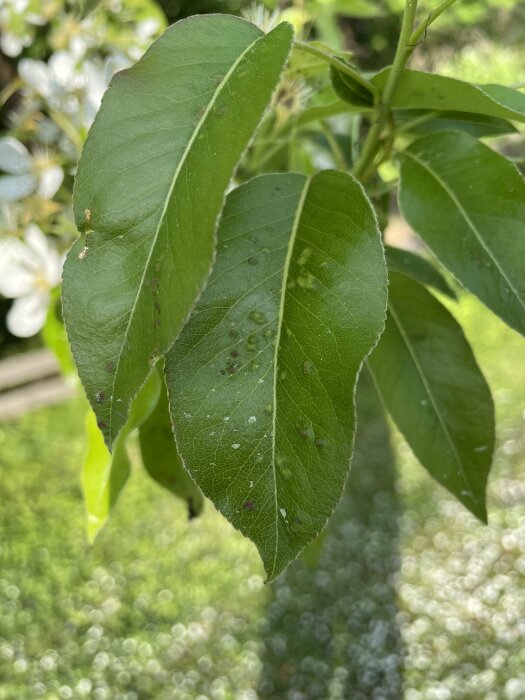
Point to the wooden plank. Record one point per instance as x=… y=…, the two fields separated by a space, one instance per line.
x=29 y=367
x=15 y=403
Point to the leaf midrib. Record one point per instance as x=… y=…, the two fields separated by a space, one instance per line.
x=176 y=174
x=280 y=316
x=468 y=220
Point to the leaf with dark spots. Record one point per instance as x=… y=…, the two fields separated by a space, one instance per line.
x=278 y=432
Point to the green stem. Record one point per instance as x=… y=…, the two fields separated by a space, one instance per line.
x=373 y=139
x=432 y=17
x=339 y=64
x=337 y=153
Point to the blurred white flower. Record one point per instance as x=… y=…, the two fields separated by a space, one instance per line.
x=72 y=86
x=259 y=15
x=28 y=272
x=26 y=173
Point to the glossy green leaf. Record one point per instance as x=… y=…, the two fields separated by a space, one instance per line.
x=104 y=475
x=149 y=188
x=468 y=204
x=350 y=90
x=418 y=268
x=161 y=459
x=418 y=90
x=262 y=378
x=430 y=382
x=476 y=125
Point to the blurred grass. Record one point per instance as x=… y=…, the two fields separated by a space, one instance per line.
x=405 y=596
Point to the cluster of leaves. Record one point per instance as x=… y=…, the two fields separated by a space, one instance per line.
x=262 y=308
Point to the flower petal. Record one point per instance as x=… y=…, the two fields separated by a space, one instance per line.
x=18 y=268
x=28 y=314
x=50 y=181
x=36 y=75
x=13 y=187
x=49 y=261
x=14 y=156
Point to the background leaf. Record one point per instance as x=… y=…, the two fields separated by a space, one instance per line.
x=350 y=90
x=262 y=378
x=150 y=185
x=468 y=204
x=429 y=380
x=104 y=475
x=161 y=459
x=418 y=90
x=418 y=268
x=476 y=125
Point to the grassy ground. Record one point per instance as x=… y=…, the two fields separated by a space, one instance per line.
x=406 y=595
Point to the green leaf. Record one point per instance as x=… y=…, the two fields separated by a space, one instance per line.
x=418 y=268
x=418 y=90
x=333 y=109
x=430 y=382
x=476 y=125
x=262 y=378
x=468 y=204
x=104 y=475
x=161 y=459
x=350 y=90
x=149 y=188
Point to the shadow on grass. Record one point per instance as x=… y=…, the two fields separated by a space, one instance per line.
x=330 y=630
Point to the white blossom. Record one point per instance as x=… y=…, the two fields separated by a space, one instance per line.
x=29 y=270
x=26 y=173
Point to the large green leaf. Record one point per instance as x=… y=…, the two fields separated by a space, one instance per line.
x=161 y=459
x=262 y=378
x=149 y=188
x=468 y=204
x=428 y=378
x=104 y=475
x=418 y=90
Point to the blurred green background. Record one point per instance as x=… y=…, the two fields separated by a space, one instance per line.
x=404 y=596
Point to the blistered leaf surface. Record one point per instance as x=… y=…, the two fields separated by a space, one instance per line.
x=262 y=378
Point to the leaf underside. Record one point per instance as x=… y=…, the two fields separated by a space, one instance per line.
x=104 y=475
x=468 y=204
x=429 y=380
x=149 y=188
x=262 y=378
x=161 y=459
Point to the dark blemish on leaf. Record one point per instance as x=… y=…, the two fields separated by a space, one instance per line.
x=252 y=261
x=319 y=442
x=248 y=505
x=234 y=353
x=100 y=396
x=223 y=371
x=102 y=425
x=277 y=189
x=156 y=323
x=233 y=333
x=110 y=366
